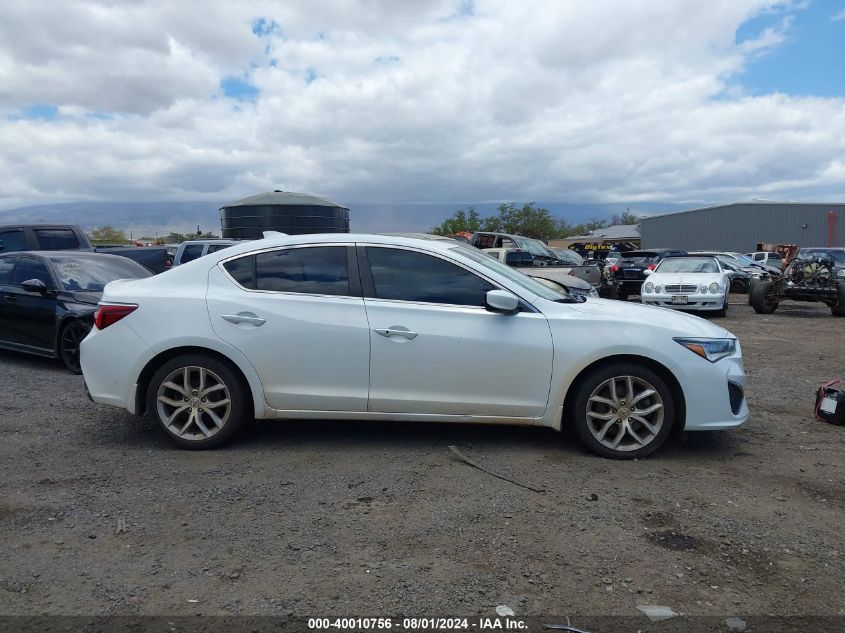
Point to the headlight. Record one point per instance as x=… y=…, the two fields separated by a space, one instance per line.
x=703 y=290
x=841 y=273
x=658 y=288
x=715 y=288
x=712 y=349
x=648 y=287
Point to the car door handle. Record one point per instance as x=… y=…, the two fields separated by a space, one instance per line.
x=396 y=332
x=244 y=318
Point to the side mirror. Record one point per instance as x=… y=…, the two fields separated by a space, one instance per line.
x=35 y=285
x=502 y=302
x=647 y=272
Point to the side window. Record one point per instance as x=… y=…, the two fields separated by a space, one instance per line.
x=191 y=252
x=410 y=276
x=31 y=268
x=758 y=256
x=484 y=241
x=213 y=248
x=242 y=271
x=12 y=240
x=56 y=239
x=6 y=266
x=319 y=270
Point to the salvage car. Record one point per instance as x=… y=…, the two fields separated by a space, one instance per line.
x=629 y=272
x=813 y=275
x=688 y=283
x=373 y=327
x=49 y=299
x=558 y=278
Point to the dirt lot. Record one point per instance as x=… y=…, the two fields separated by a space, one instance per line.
x=99 y=515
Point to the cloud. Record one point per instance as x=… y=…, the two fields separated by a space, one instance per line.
x=429 y=101
x=838 y=16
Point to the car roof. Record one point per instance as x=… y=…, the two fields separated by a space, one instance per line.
x=67 y=254
x=212 y=241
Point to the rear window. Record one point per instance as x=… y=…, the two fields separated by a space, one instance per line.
x=93 y=273
x=484 y=241
x=56 y=239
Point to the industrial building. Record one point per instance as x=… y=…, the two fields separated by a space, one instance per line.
x=284 y=211
x=741 y=226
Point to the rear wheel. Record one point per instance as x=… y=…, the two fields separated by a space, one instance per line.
x=838 y=308
x=739 y=286
x=69 y=340
x=198 y=401
x=623 y=411
x=764 y=297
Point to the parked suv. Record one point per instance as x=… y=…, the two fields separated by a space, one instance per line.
x=194 y=249
x=629 y=272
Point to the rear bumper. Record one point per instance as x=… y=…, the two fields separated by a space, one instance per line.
x=108 y=374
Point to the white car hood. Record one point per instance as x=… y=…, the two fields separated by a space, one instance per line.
x=623 y=312
x=699 y=279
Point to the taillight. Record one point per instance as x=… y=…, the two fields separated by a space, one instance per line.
x=651 y=266
x=614 y=268
x=109 y=314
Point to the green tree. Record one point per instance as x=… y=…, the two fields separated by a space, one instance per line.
x=460 y=221
x=626 y=217
x=107 y=234
x=528 y=220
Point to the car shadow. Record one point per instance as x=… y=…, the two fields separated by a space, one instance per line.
x=130 y=432
x=12 y=360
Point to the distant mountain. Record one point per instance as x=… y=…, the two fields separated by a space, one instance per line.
x=148 y=218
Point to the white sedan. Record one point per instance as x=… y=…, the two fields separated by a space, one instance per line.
x=368 y=327
x=693 y=282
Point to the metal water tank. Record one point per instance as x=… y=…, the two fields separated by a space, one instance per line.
x=285 y=211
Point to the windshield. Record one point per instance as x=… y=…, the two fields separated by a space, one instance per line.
x=512 y=274
x=837 y=256
x=535 y=247
x=688 y=265
x=568 y=256
x=93 y=273
x=742 y=259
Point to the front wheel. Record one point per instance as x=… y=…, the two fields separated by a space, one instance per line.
x=764 y=298
x=724 y=309
x=198 y=401
x=623 y=411
x=69 y=340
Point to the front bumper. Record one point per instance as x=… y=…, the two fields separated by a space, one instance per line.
x=696 y=301
x=714 y=392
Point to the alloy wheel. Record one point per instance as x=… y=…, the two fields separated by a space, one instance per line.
x=72 y=336
x=193 y=403
x=625 y=413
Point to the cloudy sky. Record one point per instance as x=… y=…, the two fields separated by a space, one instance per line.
x=601 y=101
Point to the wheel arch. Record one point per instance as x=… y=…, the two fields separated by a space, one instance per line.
x=159 y=359
x=660 y=369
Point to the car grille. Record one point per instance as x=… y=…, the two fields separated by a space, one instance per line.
x=736 y=396
x=685 y=288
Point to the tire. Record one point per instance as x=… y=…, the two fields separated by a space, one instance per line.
x=622 y=295
x=838 y=309
x=760 y=298
x=188 y=419
x=592 y=413
x=739 y=286
x=70 y=337
x=751 y=285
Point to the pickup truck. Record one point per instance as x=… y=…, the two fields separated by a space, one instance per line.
x=543 y=256
x=67 y=237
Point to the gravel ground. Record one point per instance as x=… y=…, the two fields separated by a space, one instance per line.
x=99 y=515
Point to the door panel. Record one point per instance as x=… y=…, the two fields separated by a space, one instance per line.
x=462 y=361
x=311 y=351
x=31 y=317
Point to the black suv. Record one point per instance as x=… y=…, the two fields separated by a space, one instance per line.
x=629 y=271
